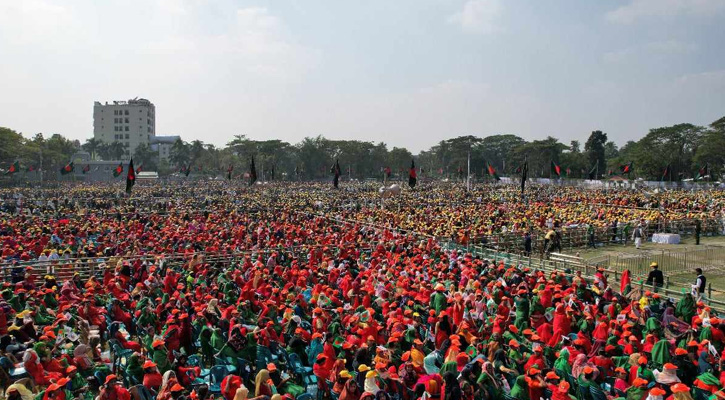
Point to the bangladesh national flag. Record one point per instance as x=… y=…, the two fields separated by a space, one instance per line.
x=86 y=168
x=412 y=175
x=626 y=168
x=130 y=177
x=666 y=174
x=118 y=171
x=139 y=168
x=701 y=173
x=492 y=172
x=555 y=169
x=67 y=169
x=14 y=167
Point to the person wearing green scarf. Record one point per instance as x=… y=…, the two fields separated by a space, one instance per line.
x=706 y=334
x=522 y=312
x=161 y=357
x=438 y=300
x=652 y=326
x=520 y=390
x=134 y=370
x=685 y=308
x=661 y=353
x=450 y=366
x=635 y=392
x=562 y=363
x=217 y=340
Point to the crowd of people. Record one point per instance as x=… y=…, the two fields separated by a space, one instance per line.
x=275 y=292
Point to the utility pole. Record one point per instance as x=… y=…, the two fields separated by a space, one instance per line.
x=41 y=167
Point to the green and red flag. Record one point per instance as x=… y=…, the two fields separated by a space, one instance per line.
x=139 y=169
x=118 y=170
x=130 y=177
x=14 y=167
x=626 y=168
x=701 y=173
x=492 y=172
x=67 y=169
x=86 y=168
x=666 y=174
x=555 y=169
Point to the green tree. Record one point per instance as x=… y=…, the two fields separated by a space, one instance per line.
x=91 y=146
x=145 y=156
x=595 y=150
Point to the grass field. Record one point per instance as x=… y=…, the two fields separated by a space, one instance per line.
x=678 y=262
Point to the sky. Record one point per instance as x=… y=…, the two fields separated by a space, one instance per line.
x=409 y=73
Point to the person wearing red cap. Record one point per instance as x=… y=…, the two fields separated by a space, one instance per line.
x=113 y=390
x=152 y=379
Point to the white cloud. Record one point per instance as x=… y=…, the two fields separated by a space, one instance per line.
x=636 y=9
x=478 y=16
x=707 y=81
x=662 y=48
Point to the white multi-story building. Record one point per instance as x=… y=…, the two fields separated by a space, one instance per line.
x=130 y=122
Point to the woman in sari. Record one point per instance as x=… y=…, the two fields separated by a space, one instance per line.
x=351 y=391
x=675 y=324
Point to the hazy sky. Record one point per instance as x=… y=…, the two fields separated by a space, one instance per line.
x=406 y=72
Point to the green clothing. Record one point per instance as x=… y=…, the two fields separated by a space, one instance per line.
x=161 y=358
x=661 y=353
x=438 y=302
x=635 y=393
x=685 y=308
x=522 y=313
x=520 y=390
x=645 y=373
x=134 y=370
x=562 y=363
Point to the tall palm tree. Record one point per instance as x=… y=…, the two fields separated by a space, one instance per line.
x=92 y=145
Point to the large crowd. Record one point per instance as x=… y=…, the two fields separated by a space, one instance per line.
x=299 y=291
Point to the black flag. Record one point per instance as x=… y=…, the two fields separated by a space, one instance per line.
x=524 y=173
x=412 y=175
x=336 y=170
x=252 y=173
x=130 y=177
x=229 y=172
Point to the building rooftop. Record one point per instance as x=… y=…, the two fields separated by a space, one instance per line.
x=133 y=102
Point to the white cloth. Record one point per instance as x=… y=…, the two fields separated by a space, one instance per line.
x=666 y=238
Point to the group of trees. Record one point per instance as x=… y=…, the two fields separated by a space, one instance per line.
x=684 y=148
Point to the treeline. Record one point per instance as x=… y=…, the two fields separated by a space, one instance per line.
x=683 y=150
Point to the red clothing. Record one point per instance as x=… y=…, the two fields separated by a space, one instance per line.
x=152 y=381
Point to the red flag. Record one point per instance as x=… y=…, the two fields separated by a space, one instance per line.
x=626 y=280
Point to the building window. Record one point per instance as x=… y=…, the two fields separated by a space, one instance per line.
x=126 y=120
x=126 y=112
x=115 y=128
x=126 y=129
x=148 y=129
x=127 y=136
x=115 y=112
